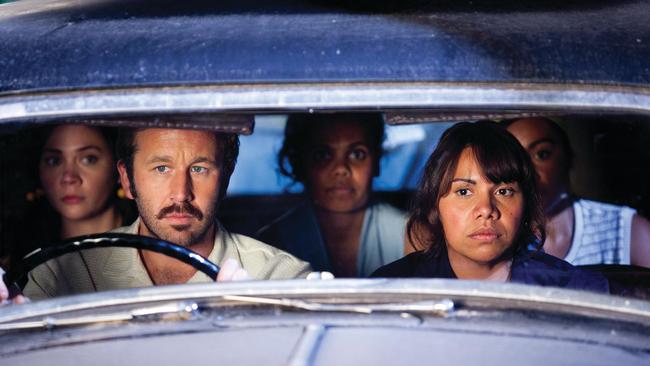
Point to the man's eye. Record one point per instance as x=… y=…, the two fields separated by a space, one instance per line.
x=162 y=169
x=89 y=160
x=198 y=169
x=358 y=154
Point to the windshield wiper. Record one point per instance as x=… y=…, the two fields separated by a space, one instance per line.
x=184 y=310
x=443 y=307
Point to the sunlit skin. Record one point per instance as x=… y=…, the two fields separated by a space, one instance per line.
x=182 y=169
x=176 y=168
x=481 y=221
x=541 y=142
x=77 y=172
x=339 y=170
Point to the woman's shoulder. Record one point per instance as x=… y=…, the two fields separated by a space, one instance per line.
x=601 y=209
x=403 y=267
x=387 y=210
x=538 y=268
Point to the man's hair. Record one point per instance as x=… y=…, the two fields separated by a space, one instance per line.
x=301 y=126
x=501 y=158
x=126 y=149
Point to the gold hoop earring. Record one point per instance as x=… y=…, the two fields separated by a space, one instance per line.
x=33 y=196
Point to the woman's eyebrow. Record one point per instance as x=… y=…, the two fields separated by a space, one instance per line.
x=464 y=180
x=359 y=143
x=89 y=147
x=541 y=141
x=83 y=148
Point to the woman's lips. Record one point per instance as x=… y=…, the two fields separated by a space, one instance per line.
x=72 y=199
x=339 y=190
x=484 y=235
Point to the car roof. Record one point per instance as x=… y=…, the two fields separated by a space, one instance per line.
x=118 y=43
x=426 y=55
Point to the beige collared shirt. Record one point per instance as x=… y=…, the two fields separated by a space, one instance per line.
x=103 y=269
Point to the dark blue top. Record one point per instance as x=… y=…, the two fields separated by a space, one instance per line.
x=531 y=268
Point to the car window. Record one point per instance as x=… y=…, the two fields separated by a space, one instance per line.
x=601 y=146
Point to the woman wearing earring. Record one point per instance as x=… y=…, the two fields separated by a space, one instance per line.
x=478 y=210
x=580 y=231
x=78 y=176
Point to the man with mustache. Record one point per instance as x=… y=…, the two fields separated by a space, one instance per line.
x=177 y=178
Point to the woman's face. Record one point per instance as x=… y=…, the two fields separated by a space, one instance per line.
x=77 y=171
x=480 y=218
x=546 y=152
x=339 y=167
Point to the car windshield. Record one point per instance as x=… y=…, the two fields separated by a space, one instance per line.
x=606 y=153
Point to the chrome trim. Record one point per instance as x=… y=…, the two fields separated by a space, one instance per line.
x=18 y=107
x=354 y=290
x=182 y=309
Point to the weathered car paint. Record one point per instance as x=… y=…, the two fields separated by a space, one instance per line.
x=102 y=44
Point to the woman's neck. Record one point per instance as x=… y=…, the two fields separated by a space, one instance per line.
x=558 y=204
x=559 y=233
x=341 y=234
x=467 y=269
x=105 y=221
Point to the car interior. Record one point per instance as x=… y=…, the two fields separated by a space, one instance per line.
x=610 y=158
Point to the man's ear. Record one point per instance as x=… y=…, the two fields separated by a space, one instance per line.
x=124 y=179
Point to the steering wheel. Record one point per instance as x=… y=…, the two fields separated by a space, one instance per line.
x=42 y=255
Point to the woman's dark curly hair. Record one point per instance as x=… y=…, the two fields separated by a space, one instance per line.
x=502 y=159
x=298 y=137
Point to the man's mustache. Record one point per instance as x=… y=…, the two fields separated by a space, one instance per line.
x=185 y=208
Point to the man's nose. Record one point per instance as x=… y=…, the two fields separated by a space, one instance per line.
x=181 y=190
x=486 y=207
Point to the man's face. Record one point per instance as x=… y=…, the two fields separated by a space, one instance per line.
x=176 y=174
